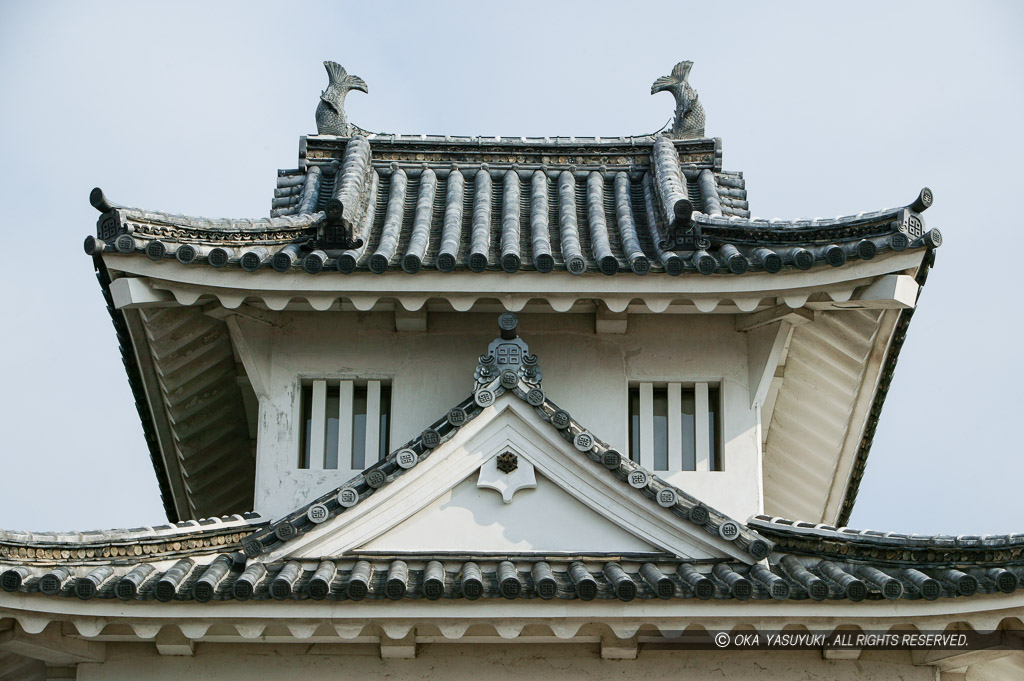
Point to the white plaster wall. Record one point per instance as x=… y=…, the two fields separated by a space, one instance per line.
x=455 y=662
x=584 y=372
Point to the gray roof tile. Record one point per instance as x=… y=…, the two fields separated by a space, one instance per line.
x=412 y=203
x=357 y=577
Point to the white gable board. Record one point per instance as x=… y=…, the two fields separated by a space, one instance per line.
x=469 y=518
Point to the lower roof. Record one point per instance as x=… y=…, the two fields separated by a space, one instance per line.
x=817 y=564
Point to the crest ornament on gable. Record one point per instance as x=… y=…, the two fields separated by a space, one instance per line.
x=507 y=473
x=507 y=462
x=508 y=364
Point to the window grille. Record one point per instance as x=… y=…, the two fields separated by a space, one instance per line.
x=345 y=424
x=673 y=427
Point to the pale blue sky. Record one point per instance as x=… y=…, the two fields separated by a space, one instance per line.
x=828 y=109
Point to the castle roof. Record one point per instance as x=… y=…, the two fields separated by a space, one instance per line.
x=389 y=204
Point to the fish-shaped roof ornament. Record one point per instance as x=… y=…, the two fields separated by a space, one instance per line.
x=330 y=113
x=689 y=119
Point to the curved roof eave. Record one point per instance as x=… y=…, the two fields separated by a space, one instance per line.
x=821 y=288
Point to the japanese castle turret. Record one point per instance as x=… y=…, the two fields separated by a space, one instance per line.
x=494 y=406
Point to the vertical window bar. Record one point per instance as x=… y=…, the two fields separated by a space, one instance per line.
x=318 y=429
x=702 y=436
x=660 y=409
x=385 y=425
x=647 y=425
x=372 y=422
x=344 y=453
x=687 y=412
x=714 y=430
x=333 y=426
x=359 y=461
x=675 y=436
x=306 y=393
x=634 y=424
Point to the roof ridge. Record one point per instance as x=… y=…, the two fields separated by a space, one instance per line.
x=177 y=529
x=781 y=527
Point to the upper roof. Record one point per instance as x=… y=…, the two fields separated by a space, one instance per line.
x=623 y=206
x=380 y=203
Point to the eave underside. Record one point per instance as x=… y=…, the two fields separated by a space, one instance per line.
x=828 y=379
x=195 y=398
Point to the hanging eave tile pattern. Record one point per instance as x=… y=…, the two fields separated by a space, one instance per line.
x=400 y=203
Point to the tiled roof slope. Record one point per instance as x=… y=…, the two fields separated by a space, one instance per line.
x=893 y=547
x=400 y=203
x=787 y=576
x=123 y=546
x=200 y=561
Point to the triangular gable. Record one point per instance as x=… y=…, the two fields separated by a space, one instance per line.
x=543 y=519
x=507 y=426
x=508 y=394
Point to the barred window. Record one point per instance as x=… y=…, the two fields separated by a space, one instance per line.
x=673 y=427
x=345 y=424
